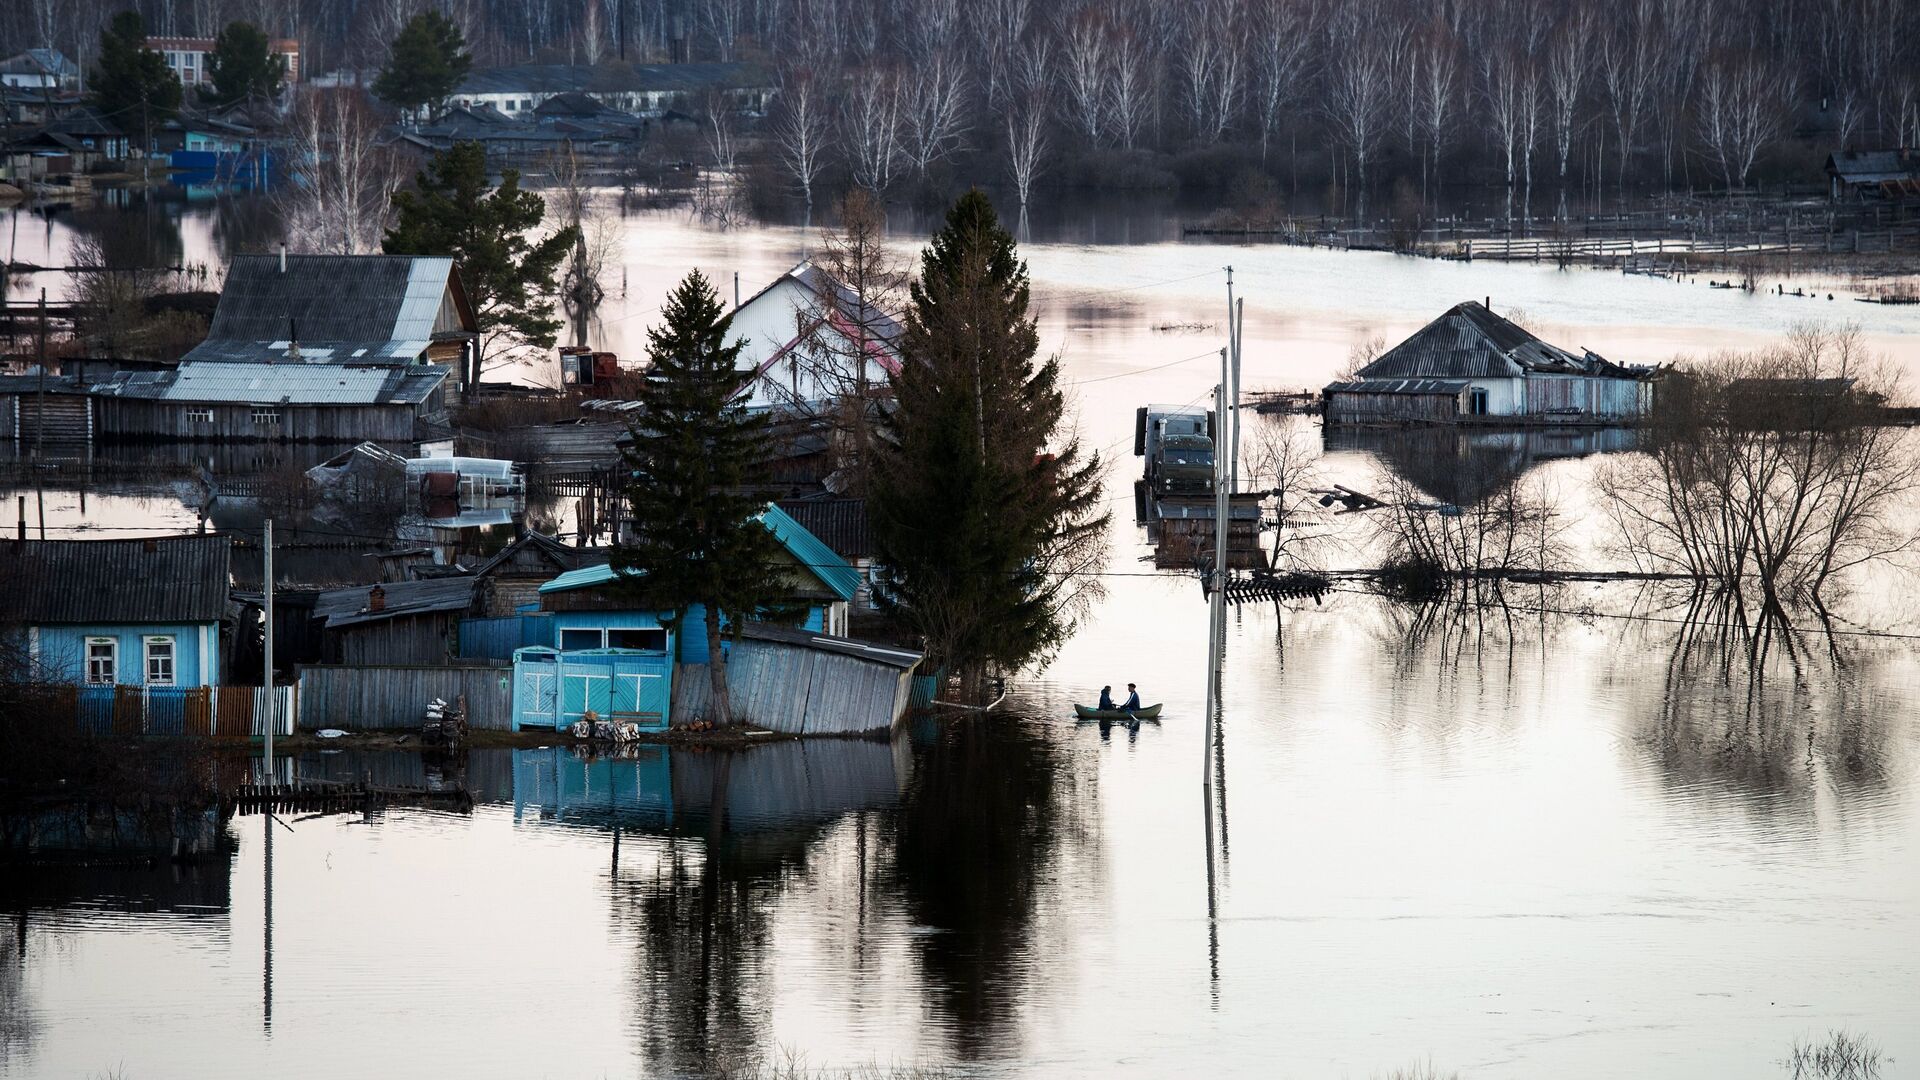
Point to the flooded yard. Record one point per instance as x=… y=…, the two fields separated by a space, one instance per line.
x=1586 y=834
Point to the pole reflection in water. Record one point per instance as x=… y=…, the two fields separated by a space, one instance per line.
x=266 y=966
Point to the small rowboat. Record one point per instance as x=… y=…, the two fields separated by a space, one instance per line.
x=1144 y=712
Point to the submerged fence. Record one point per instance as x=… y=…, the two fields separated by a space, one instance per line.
x=394 y=697
x=205 y=711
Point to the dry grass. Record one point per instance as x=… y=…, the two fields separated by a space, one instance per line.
x=1839 y=1055
x=1419 y=1070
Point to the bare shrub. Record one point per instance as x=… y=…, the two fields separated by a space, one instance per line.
x=1771 y=470
x=1840 y=1055
x=1426 y=546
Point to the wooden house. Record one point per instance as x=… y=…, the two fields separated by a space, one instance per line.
x=511 y=580
x=801 y=336
x=104 y=613
x=395 y=622
x=1472 y=366
x=842 y=525
x=302 y=311
x=1893 y=175
x=214 y=401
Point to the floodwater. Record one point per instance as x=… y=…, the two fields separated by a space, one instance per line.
x=1581 y=836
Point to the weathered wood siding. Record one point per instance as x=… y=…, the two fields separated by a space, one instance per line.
x=1351 y=407
x=394 y=697
x=1621 y=398
x=798 y=691
x=137 y=419
x=432 y=638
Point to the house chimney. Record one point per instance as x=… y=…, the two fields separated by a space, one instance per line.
x=1487 y=303
x=376 y=599
x=283 y=258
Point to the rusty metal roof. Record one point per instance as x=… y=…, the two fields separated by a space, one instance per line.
x=167 y=579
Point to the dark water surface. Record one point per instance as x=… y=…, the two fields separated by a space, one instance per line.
x=1581 y=836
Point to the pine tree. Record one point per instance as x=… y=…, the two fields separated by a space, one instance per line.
x=509 y=279
x=428 y=62
x=243 y=66
x=697 y=463
x=132 y=86
x=988 y=521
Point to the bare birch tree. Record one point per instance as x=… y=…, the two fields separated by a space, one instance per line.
x=343 y=174
x=1360 y=91
x=1438 y=57
x=1281 y=39
x=802 y=129
x=1129 y=90
x=1743 y=100
x=870 y=127
x=934 y=108
x=1569 y=65
x=1027 y=115
x=1084 y=62
x=1630 y=59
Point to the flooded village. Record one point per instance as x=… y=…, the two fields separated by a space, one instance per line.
x=545 y=545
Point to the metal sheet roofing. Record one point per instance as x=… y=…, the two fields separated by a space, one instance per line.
x=841 y=524
x=1398 y=386
x=280 y=384
x=344 y=308
x=351 y=607
x=807 y=550
x=807 y=639
x=1470 y=342
x=171 y=579
x=614 y=78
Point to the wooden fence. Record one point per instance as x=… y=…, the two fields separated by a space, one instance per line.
x=202 y=711
x=395 y=697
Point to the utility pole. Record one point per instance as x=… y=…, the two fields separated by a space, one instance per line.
x=40 y=396
x=266 y=552
x=1228 y=443
x=1233 y=394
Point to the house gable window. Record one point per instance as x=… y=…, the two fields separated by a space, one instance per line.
x=159 y=661
x=103 y=661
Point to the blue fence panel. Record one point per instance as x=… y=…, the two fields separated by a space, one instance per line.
x=497 y=639
x=96 y=709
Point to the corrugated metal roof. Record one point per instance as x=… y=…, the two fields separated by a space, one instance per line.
x=158 y=580
x=807 y=639
x=336 y=304
x=807 y=550
x=1470 y=342
x=275 y=384
x=349 y=607
x=1398 y=386
x=841 y=524
x=614 y=78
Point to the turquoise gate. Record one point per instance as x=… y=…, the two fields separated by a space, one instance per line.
x=553 y=689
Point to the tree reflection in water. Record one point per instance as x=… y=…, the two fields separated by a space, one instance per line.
x=1766 y=707
x=995 y=831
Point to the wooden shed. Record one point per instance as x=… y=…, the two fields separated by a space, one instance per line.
x=803 y=683
x=395 y=622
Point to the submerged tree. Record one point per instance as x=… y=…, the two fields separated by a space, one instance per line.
x=509 y=276
x=344 y=173
x=696 y=465
x=988 y=518
x=1771 y=471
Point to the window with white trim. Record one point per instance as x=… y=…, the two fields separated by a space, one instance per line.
x=103 y=661
x=199 y=416
x=159 y=661
x=266 y=416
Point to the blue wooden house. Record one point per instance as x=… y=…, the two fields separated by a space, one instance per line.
x=106 y=613
x=601 y=620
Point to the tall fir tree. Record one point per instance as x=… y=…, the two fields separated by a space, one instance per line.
x=243 y=65
x=987 y=516
x=509 y=278
x=132 y=86
x=428 y=61
x=697 y=464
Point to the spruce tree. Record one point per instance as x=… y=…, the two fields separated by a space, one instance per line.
x=132 y=86
x=427 y=64
x=697 y=465
x=988 y=519
x=508 y=277
x=243 y=65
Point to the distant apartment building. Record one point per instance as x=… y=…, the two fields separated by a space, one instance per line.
x=187 y=57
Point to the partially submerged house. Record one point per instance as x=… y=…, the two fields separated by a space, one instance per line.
x=809 y=339
x=1472 y=366
x=143 y=613
x=208 y=401
x=802 y=683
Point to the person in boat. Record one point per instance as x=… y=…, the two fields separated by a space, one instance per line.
x=1133 y=698
x=1106 y=698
